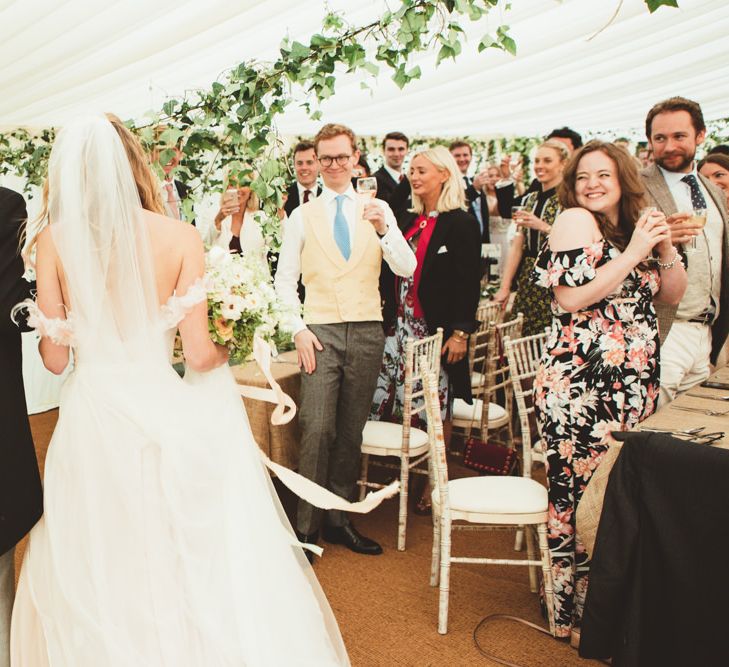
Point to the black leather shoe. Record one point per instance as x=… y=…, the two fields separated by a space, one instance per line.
x=350 y=538
x=311 y=538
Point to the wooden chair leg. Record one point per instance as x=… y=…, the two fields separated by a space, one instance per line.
x=445 y=567
x=531 y=555
x=363 y=476
x=403 y=514
x=547 y=574
x=435 y=556
x=519 y=539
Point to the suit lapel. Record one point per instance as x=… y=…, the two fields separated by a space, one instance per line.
x=658 y=190
x=436 y=240
x=360 y=235
x=325 y=233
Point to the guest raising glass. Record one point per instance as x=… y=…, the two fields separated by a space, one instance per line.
x=531 y=226
x=605 y=264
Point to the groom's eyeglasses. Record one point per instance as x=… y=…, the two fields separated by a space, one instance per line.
x=326 y=160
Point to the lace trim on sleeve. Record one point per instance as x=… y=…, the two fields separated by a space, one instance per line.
x=174 y=311
x=571 y=268
x=58 y=330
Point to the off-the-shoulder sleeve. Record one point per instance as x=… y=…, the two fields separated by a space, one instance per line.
x=571 y=268
x=178 y=306
x=58 y=330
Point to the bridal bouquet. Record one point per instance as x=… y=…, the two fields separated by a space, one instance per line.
x=242 y=302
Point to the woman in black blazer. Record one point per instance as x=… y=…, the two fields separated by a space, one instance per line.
x=444 y=290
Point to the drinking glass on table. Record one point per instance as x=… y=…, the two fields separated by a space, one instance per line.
x=367 y=187
x=698 y=218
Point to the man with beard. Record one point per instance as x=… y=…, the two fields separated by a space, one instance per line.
x=693 y=333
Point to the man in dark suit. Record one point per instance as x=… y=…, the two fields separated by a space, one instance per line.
x=475 y=197
x=392 y=182
x=21 y=500
x=692 y=333
x=305 y=186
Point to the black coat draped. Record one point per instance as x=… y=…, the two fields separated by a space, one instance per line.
x=450 y=285
x=21 y=500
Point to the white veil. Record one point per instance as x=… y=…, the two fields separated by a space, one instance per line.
x=96 y=217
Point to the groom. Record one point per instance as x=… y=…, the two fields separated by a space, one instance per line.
x=21 y=500
x=336 y=242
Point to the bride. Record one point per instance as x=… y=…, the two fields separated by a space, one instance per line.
x=163 y=542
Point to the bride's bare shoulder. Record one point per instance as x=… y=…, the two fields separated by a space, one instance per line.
x=172 y=231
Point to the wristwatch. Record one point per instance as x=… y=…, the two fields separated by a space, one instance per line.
x=460 y=334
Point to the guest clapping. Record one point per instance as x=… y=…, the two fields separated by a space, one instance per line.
x=532 y=224
x=443 y=292
x=599 y=371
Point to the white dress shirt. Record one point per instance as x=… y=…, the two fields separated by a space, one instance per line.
x=395 y=249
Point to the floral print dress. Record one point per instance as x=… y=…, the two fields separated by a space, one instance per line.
x=387 y=403
x=599 y=373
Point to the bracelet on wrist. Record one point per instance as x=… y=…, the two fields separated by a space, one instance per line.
x=668 y=265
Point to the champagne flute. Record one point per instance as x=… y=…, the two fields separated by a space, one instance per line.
x=367 y=187
x=515 y=211
x=698 y=217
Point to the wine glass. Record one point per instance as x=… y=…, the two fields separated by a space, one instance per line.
x=515 y=211
x=367 y=187
x=698 y=217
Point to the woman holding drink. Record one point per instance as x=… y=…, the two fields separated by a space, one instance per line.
x=532 y=221
x=606 y=262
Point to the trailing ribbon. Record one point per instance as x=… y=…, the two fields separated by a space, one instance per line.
x=304 y=488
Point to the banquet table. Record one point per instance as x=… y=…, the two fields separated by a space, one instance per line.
x=673 y=419
x=279 y=443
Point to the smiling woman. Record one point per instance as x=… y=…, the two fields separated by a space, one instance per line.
x=599 y=371
x=532 y=222
x=716 y=168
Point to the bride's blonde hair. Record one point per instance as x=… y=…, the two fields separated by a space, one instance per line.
x=147 y=186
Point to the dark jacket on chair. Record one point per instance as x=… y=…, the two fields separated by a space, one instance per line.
x=449 y=284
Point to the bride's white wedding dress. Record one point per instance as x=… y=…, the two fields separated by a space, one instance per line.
x=163 y=542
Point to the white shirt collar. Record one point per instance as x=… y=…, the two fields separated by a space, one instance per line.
x=311 y=188
x=327 y=195
x=674 y=177
x=395 y=174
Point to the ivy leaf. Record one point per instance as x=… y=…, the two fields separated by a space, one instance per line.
x=653 y=5
x=509 y=44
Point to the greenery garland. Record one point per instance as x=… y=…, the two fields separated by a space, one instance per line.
x=228 y=130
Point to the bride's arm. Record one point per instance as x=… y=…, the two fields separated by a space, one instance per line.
x=201 y=354
x=50 y=300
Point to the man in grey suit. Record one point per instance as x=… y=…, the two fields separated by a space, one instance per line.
x=692 y=333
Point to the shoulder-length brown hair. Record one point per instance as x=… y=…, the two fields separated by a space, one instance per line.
x=632 y=192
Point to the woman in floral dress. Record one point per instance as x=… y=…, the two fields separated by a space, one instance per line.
x=606 y=264
x=444 y=290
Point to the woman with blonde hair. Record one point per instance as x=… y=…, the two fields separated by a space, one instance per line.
x=163 y=541
x=444 y=290
x=531 y=226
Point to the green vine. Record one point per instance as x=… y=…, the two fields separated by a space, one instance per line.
x=229 y=129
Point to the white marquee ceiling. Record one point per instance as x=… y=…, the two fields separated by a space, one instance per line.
x=62 y=57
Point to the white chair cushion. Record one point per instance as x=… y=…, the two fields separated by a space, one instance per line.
x=462 y=410
x=389 y=436
x=496 y=495
x=476 y=379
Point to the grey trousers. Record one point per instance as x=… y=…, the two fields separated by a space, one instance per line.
x=335 y=403
x=7 y=595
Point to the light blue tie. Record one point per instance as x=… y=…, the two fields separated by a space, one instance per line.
x=341 y=230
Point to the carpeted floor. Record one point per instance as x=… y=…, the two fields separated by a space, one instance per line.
x=386 y=610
